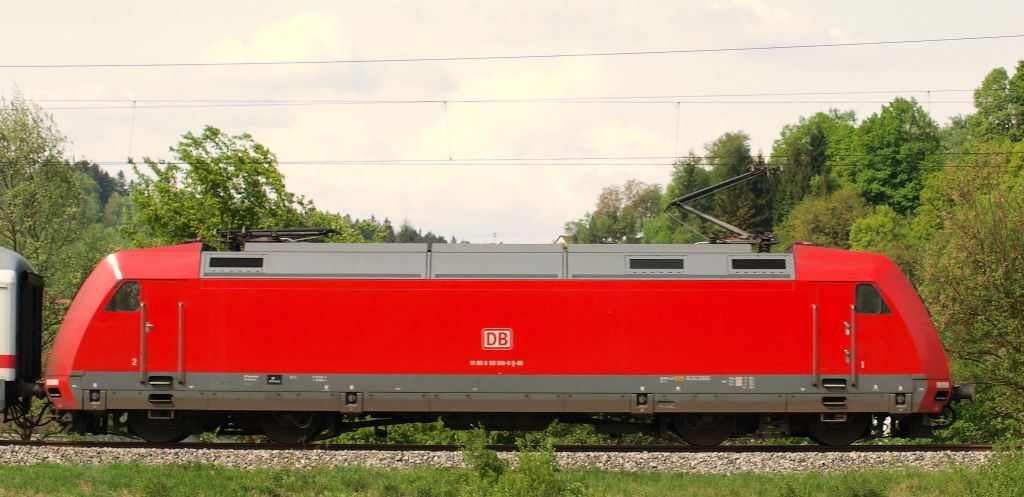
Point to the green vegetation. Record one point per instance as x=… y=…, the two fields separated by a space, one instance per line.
x=230 y=182
x=945 y=203
x=437 y=433
x=534 y=475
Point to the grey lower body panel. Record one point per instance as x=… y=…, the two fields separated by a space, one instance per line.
x=375 y=393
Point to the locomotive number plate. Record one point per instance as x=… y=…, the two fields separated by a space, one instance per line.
x=497 y=338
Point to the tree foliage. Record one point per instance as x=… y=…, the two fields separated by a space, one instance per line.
x=688 y=175
x=220 y=181
x=823 y=220
x=39 y=193
x=893 y=152
x=885 y=231
x=620 y=215
x=974 y=281
x=804 y=153
x=407 y=233
x=216 y=181
x=1000 y=105
x=42 y=206
x=744 y=205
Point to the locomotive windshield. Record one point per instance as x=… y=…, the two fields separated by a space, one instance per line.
x=869 y=301
x=125 y=299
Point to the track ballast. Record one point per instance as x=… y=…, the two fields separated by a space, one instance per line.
x=498 y=447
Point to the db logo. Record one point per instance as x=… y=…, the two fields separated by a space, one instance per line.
x=497 y=338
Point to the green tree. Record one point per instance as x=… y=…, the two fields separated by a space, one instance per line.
x=803 y=153
x=688 y=175
x=1000 y=105
x=744 y=205
x=620 y=215
x=40 y=196
x=106 y=186
x=823 y=220
x=345 y=228
x=886 y=232
x=407 y=233
x=893 y=152
x=216 y=181
x=974 y=284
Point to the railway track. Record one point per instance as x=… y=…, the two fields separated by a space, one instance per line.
x=501 y=448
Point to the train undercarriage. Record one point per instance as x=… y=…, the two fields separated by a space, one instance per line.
x=698 y=429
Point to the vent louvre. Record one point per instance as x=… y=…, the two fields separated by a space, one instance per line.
x=236 y=262
x=663 y=263
x=758 y=263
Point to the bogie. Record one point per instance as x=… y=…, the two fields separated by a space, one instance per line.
x=162 y=426
x=837 y=429
x=704 y=429
x=292 y=428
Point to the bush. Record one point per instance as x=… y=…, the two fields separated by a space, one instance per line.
x=535 y=473
x=1002 y=476
x=483 y=461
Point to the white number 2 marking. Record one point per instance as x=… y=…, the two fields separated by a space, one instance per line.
x=135 y=362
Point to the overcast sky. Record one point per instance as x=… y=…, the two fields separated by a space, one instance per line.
x=475 y=200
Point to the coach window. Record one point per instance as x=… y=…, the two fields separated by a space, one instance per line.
x=869 y=301
x=125 y=299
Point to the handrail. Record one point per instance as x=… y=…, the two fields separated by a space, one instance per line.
x=143 y=331
x=853 y=345
x=181 y=343
x=815 y=375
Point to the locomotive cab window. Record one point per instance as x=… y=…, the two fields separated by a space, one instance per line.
x=869 y=301
x=125 y=299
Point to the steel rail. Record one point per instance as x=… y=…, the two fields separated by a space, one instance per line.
x=498 y=447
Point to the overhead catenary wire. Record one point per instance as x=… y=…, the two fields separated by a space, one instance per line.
x=658 y=161
x=659 y=102
x=622 y=158
x=706 y=98
x=503 y=100
x=695 y=98
x=469 y=58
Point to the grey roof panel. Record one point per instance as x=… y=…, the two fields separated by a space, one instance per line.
x=497 y=265
x=645 y=248
x=492 y=248
x=338 y=247
x=307 y=264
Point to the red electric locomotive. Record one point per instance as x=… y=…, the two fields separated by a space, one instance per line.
x=297 y=340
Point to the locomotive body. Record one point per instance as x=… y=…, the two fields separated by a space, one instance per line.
x=707 y=341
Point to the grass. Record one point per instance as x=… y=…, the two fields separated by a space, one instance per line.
x=533 y=475
x=199 y=480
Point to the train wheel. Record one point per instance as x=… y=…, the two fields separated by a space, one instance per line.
x=292 y=428
x=173 y=429
x=838 y=432
x=704 y=430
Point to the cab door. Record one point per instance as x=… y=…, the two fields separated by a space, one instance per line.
x=835 y=332
x=161 y=332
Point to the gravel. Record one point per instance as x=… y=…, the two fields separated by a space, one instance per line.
x=697 y=463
